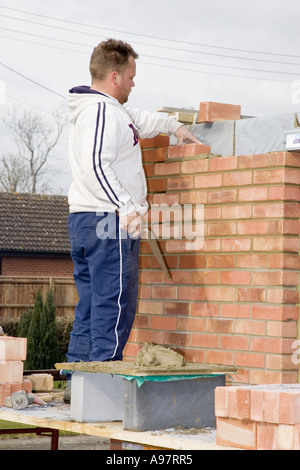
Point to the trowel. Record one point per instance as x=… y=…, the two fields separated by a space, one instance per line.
x=150 y=237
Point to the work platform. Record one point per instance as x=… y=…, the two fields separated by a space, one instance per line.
x=57 y=415
x=58 y=418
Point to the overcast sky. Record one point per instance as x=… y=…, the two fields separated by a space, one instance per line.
x=234 y=51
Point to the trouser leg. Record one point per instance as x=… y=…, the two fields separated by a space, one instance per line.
x=106 y=276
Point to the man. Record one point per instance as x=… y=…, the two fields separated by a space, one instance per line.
x=107 y=199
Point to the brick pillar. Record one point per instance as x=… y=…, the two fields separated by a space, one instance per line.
x=235 y=299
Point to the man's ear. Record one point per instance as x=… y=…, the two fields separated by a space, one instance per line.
x=115 y=77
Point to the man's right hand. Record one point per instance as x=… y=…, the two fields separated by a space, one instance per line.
x=132 y=224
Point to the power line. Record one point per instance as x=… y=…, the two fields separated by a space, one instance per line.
x=42 y=45
x=158 y=65
x=164 y=58
x=150 y=45
x=45 y=37
x=33 y=81
x=216 y=73
x=143 y=35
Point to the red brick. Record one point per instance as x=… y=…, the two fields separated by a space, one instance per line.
x=221 y=228
x=221 y=408
x=187 y=150
x=237 y=212
x=204 y=340
x=169 y=168
x=236 y=245
x=271 y=406
x=192 y=261
x=193 y=197
x=164 y=292
x=208 y=181
x=157 y=184
x=152 y=307
x=194 y=166
x=4 y=392
x=222 y=196
x=177 y=308
x=182 y=183
x=253 y=161
x=253 y=194
x=257 y=404
x=249 y=359
x=253 y=227
x=249 y=294
x=236 y=433
x=158 y=141
x=275 y=437
x=210 y=111
x=11 y=371
x=289 y=406
x=235 y=277
x=13 y=349
x=154 y=155
x=251 y=261
x=223 y=164
x=163 y=323
x=237 y=179
x=269 y=176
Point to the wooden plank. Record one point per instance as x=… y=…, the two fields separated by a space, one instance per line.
x=129 y=368
x=58 y=418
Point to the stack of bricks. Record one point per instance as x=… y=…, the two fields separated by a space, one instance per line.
x=258 y=417
x=12 y=354
x=232 y=299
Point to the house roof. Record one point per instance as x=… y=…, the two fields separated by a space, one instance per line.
x=33 y=223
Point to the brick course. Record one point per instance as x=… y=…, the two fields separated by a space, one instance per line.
x=233 y=298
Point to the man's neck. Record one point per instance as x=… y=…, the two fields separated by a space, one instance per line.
x=102 y=88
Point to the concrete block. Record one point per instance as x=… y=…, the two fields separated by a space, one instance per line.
x=96 y=397
x=218 y=135
x=262 y=134
x=188 y=403
x=13 y=349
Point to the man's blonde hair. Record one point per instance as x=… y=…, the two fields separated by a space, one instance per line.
x=108 y=56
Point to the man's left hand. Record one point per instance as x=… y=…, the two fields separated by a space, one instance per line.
x=184 y=136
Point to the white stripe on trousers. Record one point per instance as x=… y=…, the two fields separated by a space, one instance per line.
x=120 y=293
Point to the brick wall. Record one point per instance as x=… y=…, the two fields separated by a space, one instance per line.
x=234 y=300
x=34 y=266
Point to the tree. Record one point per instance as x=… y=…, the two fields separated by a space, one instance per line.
x=38 y=325
x=35 y=139
x=48 y=347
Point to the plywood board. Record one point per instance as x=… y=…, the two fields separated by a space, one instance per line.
x=129 y=368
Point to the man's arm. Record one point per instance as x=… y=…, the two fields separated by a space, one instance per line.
x=152 y=124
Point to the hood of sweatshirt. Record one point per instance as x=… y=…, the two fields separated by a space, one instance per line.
x=80 y=97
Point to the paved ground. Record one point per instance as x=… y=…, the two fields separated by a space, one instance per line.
x=80 y=442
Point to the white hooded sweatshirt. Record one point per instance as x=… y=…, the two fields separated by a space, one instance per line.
x=105 y=154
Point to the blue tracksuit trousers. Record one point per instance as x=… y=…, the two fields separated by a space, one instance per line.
x=106 y=270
